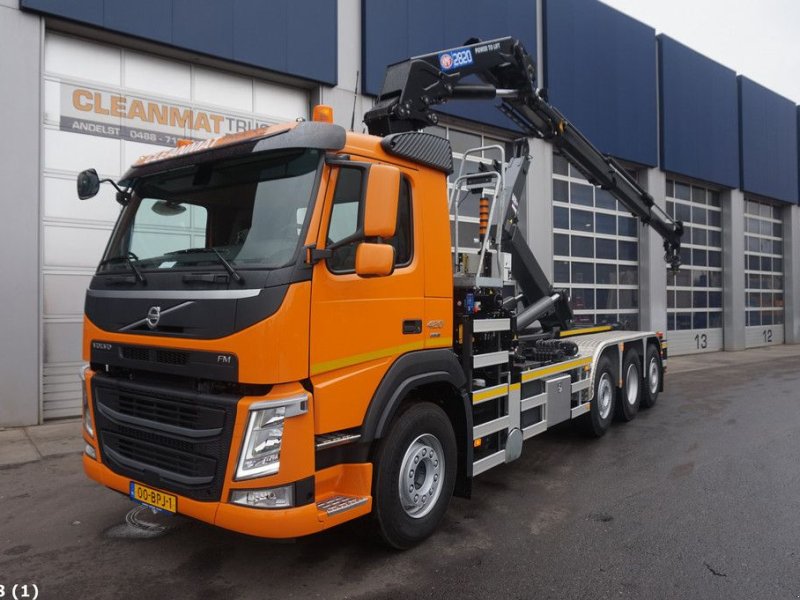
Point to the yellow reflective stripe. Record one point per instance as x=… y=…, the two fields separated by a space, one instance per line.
x=355 y=359
x=347 y=361
x=585 y=330
x=515 y=386
x=541 y=372
x=496 y=392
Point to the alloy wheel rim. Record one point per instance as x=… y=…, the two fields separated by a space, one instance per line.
x=604 y=395
x=653 y=375
x=632 y=384
x=421 y=473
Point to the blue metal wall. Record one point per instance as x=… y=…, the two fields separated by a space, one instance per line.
x=699 y=115
x=394 y=31
x=769 y=142
x=295 y=37
x=600 y=70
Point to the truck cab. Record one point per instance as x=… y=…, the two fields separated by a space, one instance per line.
x=254 y=294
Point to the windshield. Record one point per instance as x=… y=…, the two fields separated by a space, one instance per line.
x=248 y=211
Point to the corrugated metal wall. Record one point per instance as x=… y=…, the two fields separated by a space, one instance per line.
x=394 y=31
x=699 y=115
x=295 y=37
x=600 y=70
x=768 y=141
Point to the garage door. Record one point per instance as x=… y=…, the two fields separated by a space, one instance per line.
x=595 y=250
x=763 y=255
x=694 y=294
x=104 y=107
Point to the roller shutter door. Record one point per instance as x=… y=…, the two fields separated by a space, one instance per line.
x=104 y=107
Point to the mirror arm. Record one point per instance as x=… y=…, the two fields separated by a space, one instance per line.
x=123 y=196
x=114 y=183
x=314 y=254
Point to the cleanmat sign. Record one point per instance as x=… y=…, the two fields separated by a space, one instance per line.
x=109 y=114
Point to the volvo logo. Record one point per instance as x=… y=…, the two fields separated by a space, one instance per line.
x=153 y=316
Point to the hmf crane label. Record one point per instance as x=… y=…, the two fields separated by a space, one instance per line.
x=453 y=59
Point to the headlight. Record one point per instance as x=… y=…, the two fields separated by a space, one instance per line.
x=261 y=451
x=87 y=416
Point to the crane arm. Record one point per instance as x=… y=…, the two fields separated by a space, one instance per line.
x=412 y=88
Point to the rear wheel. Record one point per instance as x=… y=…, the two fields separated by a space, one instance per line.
x=652 y=376
x=601 y=413
x=414 y=475
x=630 y=396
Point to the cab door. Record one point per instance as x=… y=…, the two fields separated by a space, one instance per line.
x=359 y=325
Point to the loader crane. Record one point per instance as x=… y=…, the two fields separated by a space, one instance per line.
x=413 y=88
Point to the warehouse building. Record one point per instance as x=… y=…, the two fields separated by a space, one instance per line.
x=97 y=83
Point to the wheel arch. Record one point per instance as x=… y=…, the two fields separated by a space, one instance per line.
x=427 y=375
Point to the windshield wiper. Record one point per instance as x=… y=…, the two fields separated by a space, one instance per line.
x=228 y=266
x=128 y=261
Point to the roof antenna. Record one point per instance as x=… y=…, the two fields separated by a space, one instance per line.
x=355 y=98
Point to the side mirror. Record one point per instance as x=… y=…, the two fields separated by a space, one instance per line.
x=88 y=184
x=374 y=260
x=380 y=207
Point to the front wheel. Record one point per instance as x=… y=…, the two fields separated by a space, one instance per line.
x=414 y=475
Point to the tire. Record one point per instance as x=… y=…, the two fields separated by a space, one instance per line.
x=630 y=395
x=415 y=462
x=653 y=376
x=597 y=421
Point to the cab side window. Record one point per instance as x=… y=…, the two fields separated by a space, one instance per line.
x=403 y=240
x=347 y=217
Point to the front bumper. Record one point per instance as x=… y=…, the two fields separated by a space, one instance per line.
x=353 y=480
x=211 y=503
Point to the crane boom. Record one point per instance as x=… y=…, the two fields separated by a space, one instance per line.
x=412 y=88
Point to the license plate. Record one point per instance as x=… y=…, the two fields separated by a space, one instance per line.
x=153 y=498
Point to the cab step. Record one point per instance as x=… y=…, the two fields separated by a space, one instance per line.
x=339 y=504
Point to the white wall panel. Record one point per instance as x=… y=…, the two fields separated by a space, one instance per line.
x=766 y=335
x=272 y=100
x=62 y=395
x=157 y=76
x=73 y=246
x=60 y=341
x=73 y=57
x=67 y=151
x=223 y=89
x=52 y=102
x=694 y=341
x=61 y=202
x=64 y=293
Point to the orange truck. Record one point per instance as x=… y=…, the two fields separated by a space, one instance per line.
x=290 y=328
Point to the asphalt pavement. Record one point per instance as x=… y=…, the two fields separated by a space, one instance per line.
x=698 y=497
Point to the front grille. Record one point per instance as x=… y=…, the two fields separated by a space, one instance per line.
x=171 y=357
x=171 y=439
x=184 y=465
x=178 y=414
x=133 y=353
x=167 y=357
